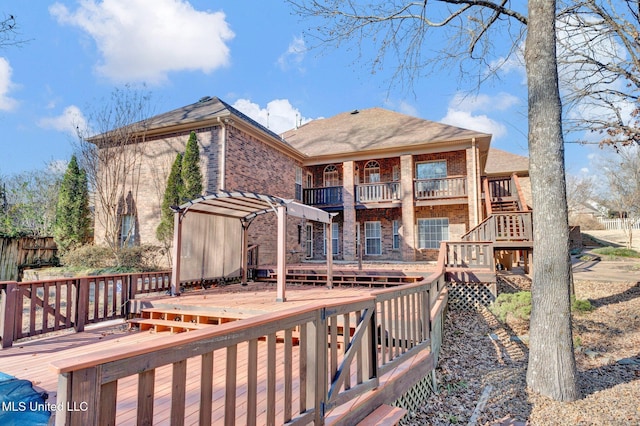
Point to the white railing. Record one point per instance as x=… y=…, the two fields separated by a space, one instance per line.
x=384 y=191
x=620 y=224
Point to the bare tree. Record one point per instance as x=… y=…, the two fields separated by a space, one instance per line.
x=112 y=158
x=599 y=59
x=404 y=29
x=622 y=172
x=9 y=35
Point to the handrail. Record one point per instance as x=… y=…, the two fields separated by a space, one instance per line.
x=365 y=338
x=522 y=203
x=32 y=308
x=487 y=198
x=503 y=226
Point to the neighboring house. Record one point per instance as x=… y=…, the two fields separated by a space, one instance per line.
x=398 y=185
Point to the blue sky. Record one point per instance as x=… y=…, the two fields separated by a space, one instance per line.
x=251 y=54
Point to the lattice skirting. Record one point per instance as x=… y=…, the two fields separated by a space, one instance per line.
x=470 y=296
x=415 y=397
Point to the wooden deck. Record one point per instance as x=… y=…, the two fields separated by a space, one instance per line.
x=33 y=360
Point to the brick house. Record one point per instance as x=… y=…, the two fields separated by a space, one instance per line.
x=398 y=185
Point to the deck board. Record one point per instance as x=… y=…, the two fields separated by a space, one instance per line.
x=31 y=360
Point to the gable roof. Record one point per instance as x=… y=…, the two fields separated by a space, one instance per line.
x=206 y=109
x=501 y=162
x=374 y=129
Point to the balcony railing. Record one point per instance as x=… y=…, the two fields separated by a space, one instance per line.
x=451 y=187
x=329 y=195
x=372 y=192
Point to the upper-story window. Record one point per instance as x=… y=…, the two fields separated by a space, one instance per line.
x=331 y=177
x=298 y=183
x=431 y=169
x=396 y=173
x=372 y=172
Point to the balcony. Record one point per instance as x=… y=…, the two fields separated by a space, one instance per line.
x=450 y=187
x=327 y=196
x=378 y=192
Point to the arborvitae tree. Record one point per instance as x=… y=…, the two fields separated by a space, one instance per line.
x=73 y=219
x=172 y=197
x=191 y=174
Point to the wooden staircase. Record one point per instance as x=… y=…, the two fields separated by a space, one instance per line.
x=178 y=320
x=507 y=228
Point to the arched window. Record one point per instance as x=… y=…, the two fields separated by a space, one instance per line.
x=372 y=172
x=331 y=177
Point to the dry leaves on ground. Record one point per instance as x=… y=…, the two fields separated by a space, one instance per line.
x=481 y=355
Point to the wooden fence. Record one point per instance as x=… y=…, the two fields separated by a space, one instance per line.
x=341 y=351
x=37 y=307
x=18 y=253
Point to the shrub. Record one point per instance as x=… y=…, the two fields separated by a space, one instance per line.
x=132 y=259
x=515 y=304
x=88 y=257
x=580 y=305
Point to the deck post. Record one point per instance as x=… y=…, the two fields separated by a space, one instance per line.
x=82 y=304
x=329 y=235
x=8 y=306
x=282 y=254
x=245 y=252
x=177 y=249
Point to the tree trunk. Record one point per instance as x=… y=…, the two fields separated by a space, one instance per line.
x=551 y=370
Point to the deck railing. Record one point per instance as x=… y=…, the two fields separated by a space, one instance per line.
x=32 y=308
x=330 y=195
x=450 y=187
x=375 y=192
x=339 y=352
x=507 y=226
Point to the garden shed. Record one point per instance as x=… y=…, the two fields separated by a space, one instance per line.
x=211 y=238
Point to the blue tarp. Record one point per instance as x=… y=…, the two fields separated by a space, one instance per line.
x=20 y=404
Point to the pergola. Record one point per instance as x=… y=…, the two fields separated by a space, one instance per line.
x=245 y=207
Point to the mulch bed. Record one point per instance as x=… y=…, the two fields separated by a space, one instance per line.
x=483 y=359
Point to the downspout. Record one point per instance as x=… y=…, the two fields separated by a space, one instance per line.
x=476 y=180
x=222 y=157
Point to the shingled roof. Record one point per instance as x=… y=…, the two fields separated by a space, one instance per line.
x=373 y=129
x=501 y=162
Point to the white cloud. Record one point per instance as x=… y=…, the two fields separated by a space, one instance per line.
x=6 y=103
x=294 y=54
x=144 y=40
x=279 y=115
x=467 y=112
x=70 y=121
x=480 y=123
x=512 y=64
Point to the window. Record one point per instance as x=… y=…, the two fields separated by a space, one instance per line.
x=372 y=172
x=396 y=234
x=309 y=241
x=127 y=230
x=431 y=232
x=331 y=177
x=335 y=233
x=372 y=238
x=431 y=170
x=298 y=183
x=309 y=180
x=431 y=173
x=396 y=173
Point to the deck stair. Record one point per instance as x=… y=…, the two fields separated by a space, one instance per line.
x=177 y=321
x=340 y=277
